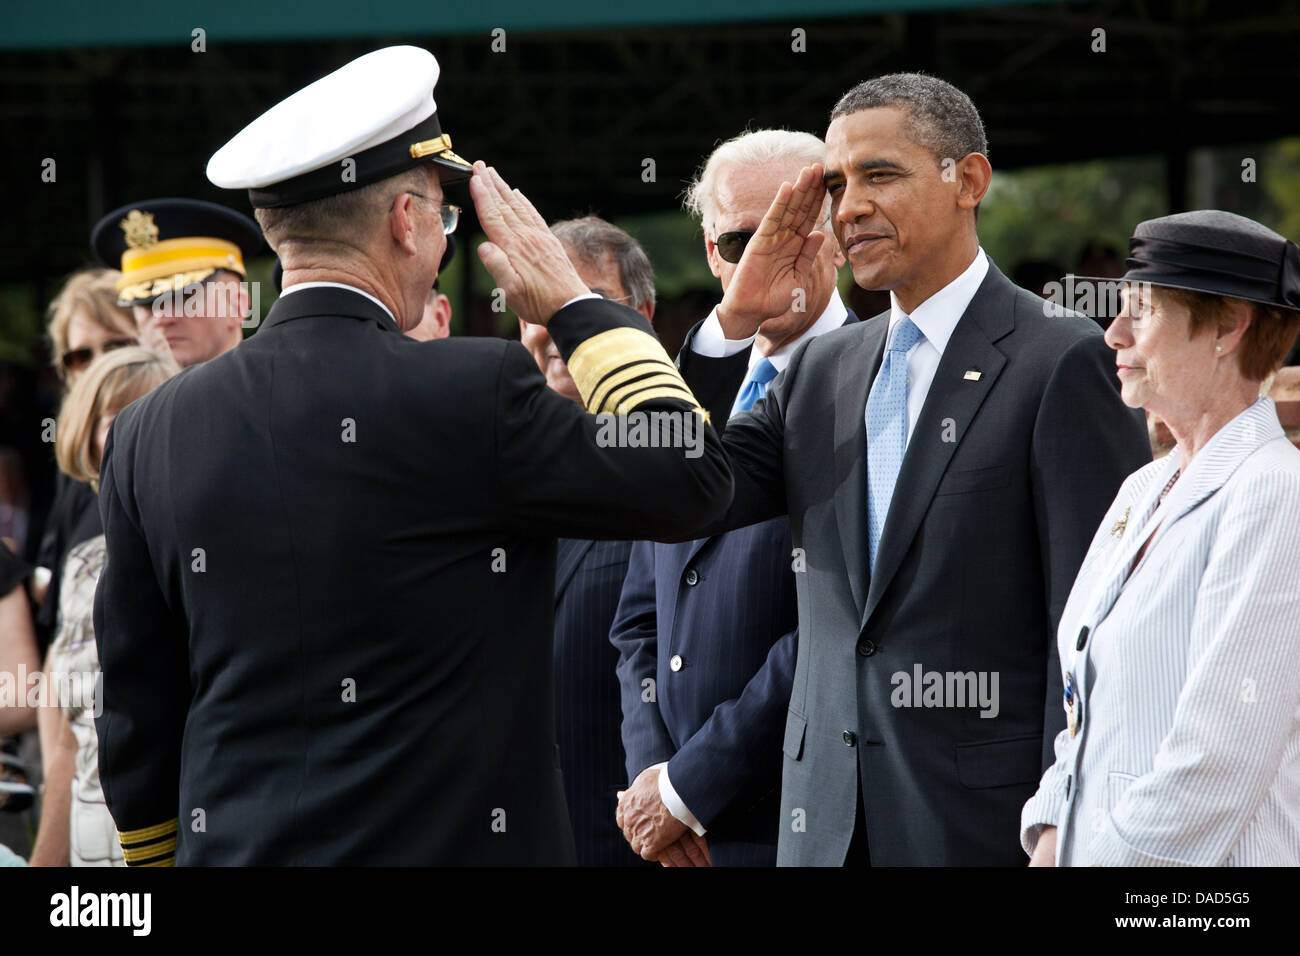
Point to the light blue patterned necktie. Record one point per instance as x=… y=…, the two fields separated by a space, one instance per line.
x=755 y=386
x=887 y=430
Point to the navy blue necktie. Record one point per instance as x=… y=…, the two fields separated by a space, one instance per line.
x=755 y=386
x=887 y=430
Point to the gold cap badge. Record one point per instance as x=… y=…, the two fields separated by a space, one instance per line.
x=140 y=231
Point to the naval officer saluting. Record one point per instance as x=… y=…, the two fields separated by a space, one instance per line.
x=325 y=623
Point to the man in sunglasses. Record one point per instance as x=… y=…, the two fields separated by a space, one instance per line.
x=712 y=621
x=183 y=272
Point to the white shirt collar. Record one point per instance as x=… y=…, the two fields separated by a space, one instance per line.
x=938 y=315
x=832 y=317
x=300 y=286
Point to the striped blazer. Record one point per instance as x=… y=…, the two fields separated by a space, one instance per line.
x=1188 y=672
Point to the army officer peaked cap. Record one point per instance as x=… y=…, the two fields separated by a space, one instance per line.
x=164 y=245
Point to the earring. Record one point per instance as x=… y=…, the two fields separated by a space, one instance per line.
x=1218 y=348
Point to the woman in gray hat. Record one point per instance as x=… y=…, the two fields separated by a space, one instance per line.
x=1180 y=641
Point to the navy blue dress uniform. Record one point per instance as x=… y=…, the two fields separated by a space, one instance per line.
x=713 y=622
x=325 y=621
x=588 y=581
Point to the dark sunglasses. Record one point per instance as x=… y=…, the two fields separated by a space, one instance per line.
x=75 y=360
x=731 y=245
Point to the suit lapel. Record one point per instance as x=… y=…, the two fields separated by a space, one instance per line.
x=1209 y=471
x=569 y=554
x=857 y=366
x=951 y=396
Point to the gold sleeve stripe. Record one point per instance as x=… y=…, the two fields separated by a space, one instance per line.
x=148 y=851
x=612 y=350
x=168 y=861
x=623 y=374
x=619 y=398
x=651 y=394
x=147 y=833
x=620 y=385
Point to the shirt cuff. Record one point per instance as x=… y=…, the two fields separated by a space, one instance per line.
x=585 y=295
x=674 y=803
x=711 y=343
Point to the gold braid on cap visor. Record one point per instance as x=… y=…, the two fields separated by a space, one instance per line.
x=439 y=146
x=173 y=264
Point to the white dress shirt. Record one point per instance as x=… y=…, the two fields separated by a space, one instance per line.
x=301 y=286
x=936 y=317
x=710 y=342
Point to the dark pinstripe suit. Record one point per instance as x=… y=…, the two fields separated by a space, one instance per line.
x=588 y=580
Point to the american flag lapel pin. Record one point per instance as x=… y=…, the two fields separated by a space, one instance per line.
x=972 y=375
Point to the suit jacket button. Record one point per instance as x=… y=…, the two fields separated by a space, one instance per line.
x=692 y=578
x=866 y=648
x=675 y=663
x=850 y=738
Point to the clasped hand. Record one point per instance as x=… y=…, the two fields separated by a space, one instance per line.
x=653 y=832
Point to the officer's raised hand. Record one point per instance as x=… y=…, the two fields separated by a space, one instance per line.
x=526 y=261
x=779 y=259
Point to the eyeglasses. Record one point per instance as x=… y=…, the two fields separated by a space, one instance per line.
x=74 y=360
x=450 y=214
x=731 y=245
x=610 y=297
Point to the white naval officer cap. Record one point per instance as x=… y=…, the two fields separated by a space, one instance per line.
x=366 y=121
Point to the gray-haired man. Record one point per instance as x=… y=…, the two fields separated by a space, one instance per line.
x=710 y=623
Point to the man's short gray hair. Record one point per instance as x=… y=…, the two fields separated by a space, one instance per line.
x=940 y=117
x=592 y=240
x=344 y=217
x=760 y=147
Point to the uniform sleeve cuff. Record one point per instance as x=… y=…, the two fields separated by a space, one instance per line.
x=150 y=846
x=674 y=803
x=711 y=343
